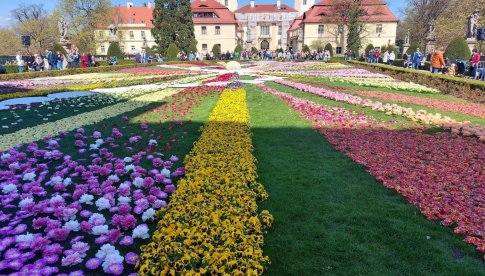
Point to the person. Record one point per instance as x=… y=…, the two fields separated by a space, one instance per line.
x=70 y=59
x=59 y=60
x=451 y=70
x=416 y=59
x=474 y=60
x=385 y=57
x=137 y=57
x=77 y=58
x=191 y=56
x=392 y=57
x=90 y=60
x=144 y=56
x=115 y=60
x=377 y=55
x=84 y=60
x=39 y=62
x=437 y=61
x=20 y=62
x=30 y=62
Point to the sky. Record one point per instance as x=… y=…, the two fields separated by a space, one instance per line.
x=9 y=5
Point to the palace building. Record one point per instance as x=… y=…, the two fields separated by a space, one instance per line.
x=265 y=26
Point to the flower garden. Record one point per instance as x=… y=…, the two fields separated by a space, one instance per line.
x=278 y=168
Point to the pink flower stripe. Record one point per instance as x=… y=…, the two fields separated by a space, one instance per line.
x=465 y=128
x=440 y=173
x=339 y=73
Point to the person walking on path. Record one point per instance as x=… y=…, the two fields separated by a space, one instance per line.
x=416 y=59
x=475 y=59
x=437 y=61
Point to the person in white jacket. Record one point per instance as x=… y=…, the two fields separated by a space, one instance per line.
x=392 y=57
x=20 y=62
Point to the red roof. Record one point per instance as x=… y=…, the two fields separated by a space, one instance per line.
x=324 y=11
x=265 y=8
x=133 y=15
x=296 y=23
x=225 y=16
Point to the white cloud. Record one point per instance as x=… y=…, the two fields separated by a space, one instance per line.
x=5 y=21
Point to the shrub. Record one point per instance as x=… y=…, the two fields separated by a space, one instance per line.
x=59 y=48
x=115 y=51
x=216 y=49
x=329 y=48
x=193 y=47
x=238 y=48
x=254 y=50
x=412 y=48
x=369 y=48
x=279 y=50
x=306 y=49
x=458 y=49
x=383 y=48
x=172 y=51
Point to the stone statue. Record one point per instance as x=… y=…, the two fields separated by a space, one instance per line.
x=406 y=38
x=62 y=24
x=112 y=29
x=145 y=43
x=431 y=28
x=472 y=24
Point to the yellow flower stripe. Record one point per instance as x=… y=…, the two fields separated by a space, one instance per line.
x=211 y=225
x=67 y=124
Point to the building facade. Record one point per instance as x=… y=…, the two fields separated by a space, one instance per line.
x=265 y=26
x=321 y=23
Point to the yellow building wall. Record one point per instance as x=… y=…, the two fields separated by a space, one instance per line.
x=227 y=38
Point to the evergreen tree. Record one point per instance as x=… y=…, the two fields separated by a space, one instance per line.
x=329 y=48
x=115 y=51
x=216 y=49
x=306 y=49
x=254 y=50
x=412 y=48
x=59 y=48
x=172 y=51
x=238 y=48
x=458 y=49
x=369 y=48
x=173 y=24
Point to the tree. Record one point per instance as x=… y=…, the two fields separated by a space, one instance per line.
x=458 y=49
x=193 y=47
x=57 y=47
x=369 y=48
x=238 y=48
x=329 y=48
x=254 y=50
x=84 y=16
x=412 y=48
x=317 y=45
x=383 y=48
x=172 y=51
x=10 y=42
x=173 y=24
x=216 y=49
x=115 y=51
x=306 y=49
x=35 y=21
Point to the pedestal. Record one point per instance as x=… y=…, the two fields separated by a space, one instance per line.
x=66 y=44
x=113 y=38
x=471 y=42
x=405 y=47
x=430 y=46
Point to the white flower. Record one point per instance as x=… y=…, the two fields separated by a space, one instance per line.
x=127 y=159
x=123 y=200
x=56 y=198
x=165 y=172
x=98 y=218
x=67 y=181
x=152 y=143
x=114 y=178
x=56 y=179
x=99 y=142
x=148 y=214
x=112 y=258
x=28 y=237
x=5 y=156
x=72 y=225
x=86 y=199
x=29 y=176
x=93 y=147
x=138 y=182
x=141 y=231
x=129 y=168
x=100 y=229
x=105 y=250
x=9 y=188
x=25 y=202
x=53 y=143
x=14 y=166
x=102 y=203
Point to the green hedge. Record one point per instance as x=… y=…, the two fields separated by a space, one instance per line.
x=473 y=90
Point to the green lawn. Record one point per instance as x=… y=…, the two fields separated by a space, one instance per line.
x=332 y=217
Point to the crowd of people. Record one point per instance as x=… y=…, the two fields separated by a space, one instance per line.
x=256 y=55
x=55 y=60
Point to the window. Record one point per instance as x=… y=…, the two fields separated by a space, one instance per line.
x=218 y=30
x=279 y=43
x=226 y=3
x=204 y=30
x=143 y=22
x=340 y=29
x=304 y=2
x=204 y=47
x=339 y=50
x=379 y=28
x=264 y=30
x=101 y=34
x=321 y=29
x=132 y=21
x=142 y=33
x=132 y=35
x=280 y=30
x=133 y=47
x=122 y=48
x=103 y=50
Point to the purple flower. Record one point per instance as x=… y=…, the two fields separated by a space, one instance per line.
x=76 y=273
x=51 y=259
x=101 y=239
x=71 y=259
x=93 y=263
x=12 y=253
x=15 y=264
x=132 y=258
x=126 y=240
x=48 y=270
x=115 y=269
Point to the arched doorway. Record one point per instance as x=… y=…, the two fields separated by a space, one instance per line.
x=264 y=45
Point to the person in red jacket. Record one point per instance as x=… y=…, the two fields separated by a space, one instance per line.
x=84 y=61
x=474 y=60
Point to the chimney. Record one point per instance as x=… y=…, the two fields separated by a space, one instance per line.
x=252 y=3
x=278 y=4
x=129 y=4
x=149 y=4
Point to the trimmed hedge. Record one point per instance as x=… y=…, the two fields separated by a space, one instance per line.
x=473 y=90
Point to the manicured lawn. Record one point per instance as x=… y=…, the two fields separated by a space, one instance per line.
x=332 y=217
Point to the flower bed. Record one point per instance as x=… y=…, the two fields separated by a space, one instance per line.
x=422 y=116
x=211 y=224
x=439 y=173
x=88 y=210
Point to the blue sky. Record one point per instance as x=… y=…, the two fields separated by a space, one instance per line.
x=8 y=5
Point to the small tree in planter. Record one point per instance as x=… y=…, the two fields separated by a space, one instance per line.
x=172 y=51
x=329 y=48
x=115 y=51
x=216 y=49
x=458 y=49
x=306 y=49
x=369 y=48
